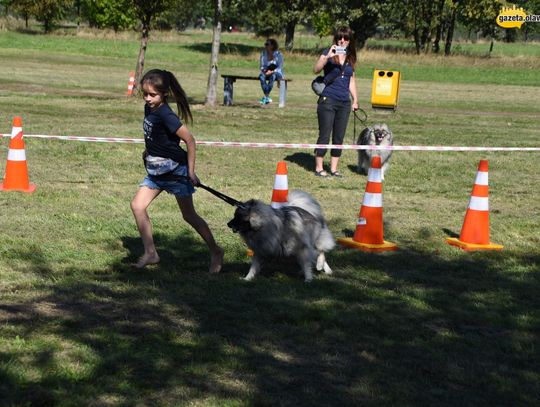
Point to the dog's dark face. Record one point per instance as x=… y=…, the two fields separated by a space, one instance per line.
x=243 y=220
x=381 y=133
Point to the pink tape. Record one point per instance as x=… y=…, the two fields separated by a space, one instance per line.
x=303 y=146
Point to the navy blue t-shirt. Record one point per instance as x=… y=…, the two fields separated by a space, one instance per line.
x=160 y=137
x=339 y=87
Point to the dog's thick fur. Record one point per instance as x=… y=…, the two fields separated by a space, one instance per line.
x=297 y=229
x=379 y=135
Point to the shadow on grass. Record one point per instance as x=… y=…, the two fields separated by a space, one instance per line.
x=304 y=160
x=407 y=328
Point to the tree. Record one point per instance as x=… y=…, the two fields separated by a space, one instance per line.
x=115 y=14
x=145 y=11
x=45 y=11
x=480 y=15
x=211 y=92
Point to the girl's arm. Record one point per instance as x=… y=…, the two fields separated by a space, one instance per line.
x=323 y=59
x=352 y=89
x=188 y=138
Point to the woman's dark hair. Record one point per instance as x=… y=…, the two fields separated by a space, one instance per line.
x=273 y=43
x=166 y=84
x=347 y=34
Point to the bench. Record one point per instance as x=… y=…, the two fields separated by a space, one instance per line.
x=228 y=84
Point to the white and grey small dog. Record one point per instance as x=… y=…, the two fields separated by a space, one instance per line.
x=297 y=229
x=379 y=135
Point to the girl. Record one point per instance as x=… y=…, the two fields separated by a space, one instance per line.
x=334 y=104
x=271 y=63
x=169 y=167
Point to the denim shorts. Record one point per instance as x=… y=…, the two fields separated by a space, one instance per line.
x=178 y=187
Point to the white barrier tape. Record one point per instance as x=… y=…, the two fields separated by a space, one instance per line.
x=288 y=145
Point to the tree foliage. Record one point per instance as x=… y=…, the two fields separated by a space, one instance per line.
x=115 y=14
x=45 y=11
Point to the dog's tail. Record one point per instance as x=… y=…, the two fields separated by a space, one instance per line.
x=305 y=201
x=325 y=241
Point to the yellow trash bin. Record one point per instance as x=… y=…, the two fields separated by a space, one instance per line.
x=385 y=89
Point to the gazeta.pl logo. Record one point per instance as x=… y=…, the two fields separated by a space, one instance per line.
x=513 y=17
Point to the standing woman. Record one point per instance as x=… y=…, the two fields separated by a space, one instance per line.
x=271 y=65
x=334 y=104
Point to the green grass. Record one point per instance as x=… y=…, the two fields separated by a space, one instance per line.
x=426 y=325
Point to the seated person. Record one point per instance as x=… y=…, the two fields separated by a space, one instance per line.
x=271 y=68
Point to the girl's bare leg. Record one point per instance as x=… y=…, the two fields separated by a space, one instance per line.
x=192 y=217
x=143 y=198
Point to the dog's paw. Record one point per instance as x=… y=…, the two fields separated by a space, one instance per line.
x=327 y=268
x=247 y=278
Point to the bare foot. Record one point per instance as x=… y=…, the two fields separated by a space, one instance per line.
x=216 y=260
x=146 y=259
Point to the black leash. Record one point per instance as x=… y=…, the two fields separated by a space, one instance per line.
x=363 y=121
x=221 y=195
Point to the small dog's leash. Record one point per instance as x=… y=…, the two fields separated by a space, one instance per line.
x=221 y=195
x=363 y=121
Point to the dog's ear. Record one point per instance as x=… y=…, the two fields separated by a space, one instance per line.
x=384 y=127
x=255 y=220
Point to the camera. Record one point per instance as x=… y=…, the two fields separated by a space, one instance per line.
x=341 y=50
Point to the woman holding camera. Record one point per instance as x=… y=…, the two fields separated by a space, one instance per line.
x=271 y=64
x=334 y=104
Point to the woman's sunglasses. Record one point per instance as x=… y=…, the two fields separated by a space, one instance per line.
x=342 y=37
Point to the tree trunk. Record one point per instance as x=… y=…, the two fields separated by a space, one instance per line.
x=289 y=35
x=450 y=35
x=211 y=89
x=140 y=59
x=440 y=23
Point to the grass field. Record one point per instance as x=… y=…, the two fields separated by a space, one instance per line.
x=425 y=325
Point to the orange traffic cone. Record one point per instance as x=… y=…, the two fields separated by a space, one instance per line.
x=475 y=230
x=280 y=192
x=131 y=83
x=281 y=186
x=16 y=178
x=368 y=235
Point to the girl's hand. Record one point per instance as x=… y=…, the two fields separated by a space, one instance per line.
x=355 y=106
x=194 y=179
x=331 y=51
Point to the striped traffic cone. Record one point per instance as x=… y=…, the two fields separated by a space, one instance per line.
x=131 y=83
x=280 y=192
x=475 y=230
x=281 y=186
x=16 y=177
x=368 y=235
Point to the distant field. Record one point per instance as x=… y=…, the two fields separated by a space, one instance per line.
x=425 y=325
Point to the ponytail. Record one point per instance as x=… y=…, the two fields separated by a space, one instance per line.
x=180 y=96
x=166 y=83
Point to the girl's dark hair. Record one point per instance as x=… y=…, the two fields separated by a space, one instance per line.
x=166 y=84
x=273 y=43
x=347 y=33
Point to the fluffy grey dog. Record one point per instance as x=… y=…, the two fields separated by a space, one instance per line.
x=379 y=135
x=295 y=230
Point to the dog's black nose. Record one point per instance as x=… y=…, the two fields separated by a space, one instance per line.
x=230 y=224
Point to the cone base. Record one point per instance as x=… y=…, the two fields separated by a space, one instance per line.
x=31 y=188
x=470 y=247
x=367 y=247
